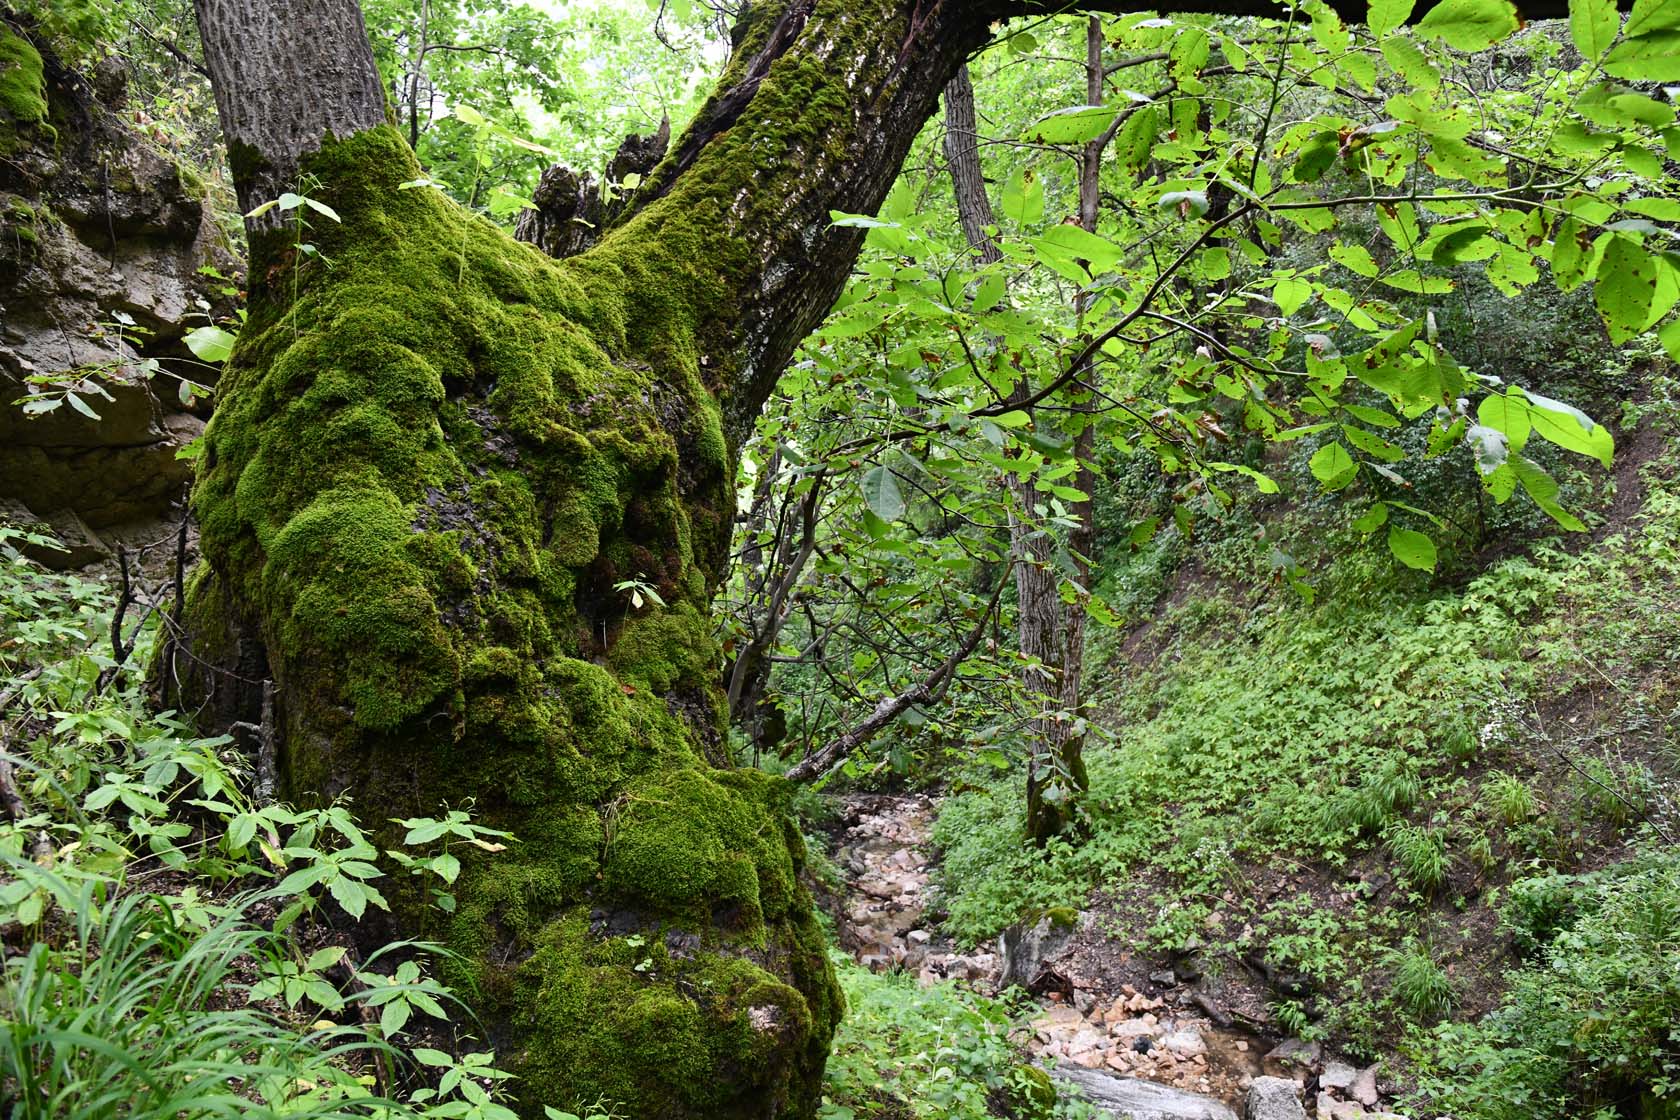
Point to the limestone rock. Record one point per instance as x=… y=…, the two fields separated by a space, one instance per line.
x=1337 y=1076
x=102 y=238
x=1274 y=1098
x=1027 y=949
x=1127 y=1098
x=1364 y=1087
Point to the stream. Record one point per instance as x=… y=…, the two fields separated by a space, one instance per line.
x=1105 y=1041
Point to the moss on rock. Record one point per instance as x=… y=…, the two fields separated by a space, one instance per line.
x=425 y=475
x=23 y=91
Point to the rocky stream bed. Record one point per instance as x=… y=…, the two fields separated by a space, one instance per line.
x=1160 y=1050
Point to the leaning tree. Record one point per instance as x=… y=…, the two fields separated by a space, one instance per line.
x=439 y=459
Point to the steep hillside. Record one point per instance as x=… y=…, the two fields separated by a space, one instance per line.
x=1392 y=801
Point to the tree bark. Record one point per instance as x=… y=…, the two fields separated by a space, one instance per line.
x=286 y=74
x=435 y=457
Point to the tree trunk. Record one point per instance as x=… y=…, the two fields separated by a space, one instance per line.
x=436 y=452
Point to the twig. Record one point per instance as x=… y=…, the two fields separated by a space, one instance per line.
x=267 y=760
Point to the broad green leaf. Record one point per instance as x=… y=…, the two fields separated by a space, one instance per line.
x=1079 y=244
x=1410 y=62
x=1372 y=519
x=1593 y=25
x=1372 y=445
x=1626 y=284
x=1263 y=483
x=882 y=495
x=1290 y=294
x=1022 y=198
x=1490 y=447
x=1383 y=16
x=1543 y=488
x=1412 y=548
x=1355 y=258
x=1571 y=254
x=1653 y=57
x=1569 y=428
x=1189 y=204
x=1333 y=466
x=209 y=344
x=1652 y=15
x=1507 y=414
x=1074 y=125
x=1469 y=25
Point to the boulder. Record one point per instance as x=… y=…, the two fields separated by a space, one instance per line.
x=1127 y=1098
x=1026 y=949
x=1274 y=1098
x=1337 y=1075
x=1364 y=1087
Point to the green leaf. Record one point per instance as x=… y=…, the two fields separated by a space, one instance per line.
x=1372 y=445
x=1074 y=125
x=1333 y=466
x=1626 y=284
x=1469 y=25
x=1571 y=254
x=1593 y=25
x=1383 y=16
x=1570 y=428
x=1412 y=548
x=1372 y=519
x=393 y=1017
x=322 y=208
x=1189 y=204
x=1652 y=15
x=1079 y=244
x=882 y=495
x=1022 y=200
x=1290 y=294
x=1507 y=414
x=1355 y=258
x=210 y=344
x=1490 y=446
x=1653 y=57
x=1543 y=488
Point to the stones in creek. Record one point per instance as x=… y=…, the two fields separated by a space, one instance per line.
x=1274 y=1098
x=1345 y=1092
x=1128 y=1098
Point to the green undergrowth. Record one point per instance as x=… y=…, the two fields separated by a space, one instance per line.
x=1350 y=788
x=941 y=1052
x=173 y=946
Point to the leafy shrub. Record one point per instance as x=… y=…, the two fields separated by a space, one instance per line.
x=1591 y=1022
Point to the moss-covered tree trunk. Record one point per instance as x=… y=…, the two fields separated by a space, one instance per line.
x=434 y=457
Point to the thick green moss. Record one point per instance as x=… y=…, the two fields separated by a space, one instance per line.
x=425 y=474
x=23 y=91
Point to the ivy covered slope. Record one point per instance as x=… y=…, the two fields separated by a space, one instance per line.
x=427 y=474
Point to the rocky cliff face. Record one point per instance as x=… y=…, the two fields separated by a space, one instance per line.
x=102 y=239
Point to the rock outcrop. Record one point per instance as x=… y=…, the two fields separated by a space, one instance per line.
x=103 y=237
